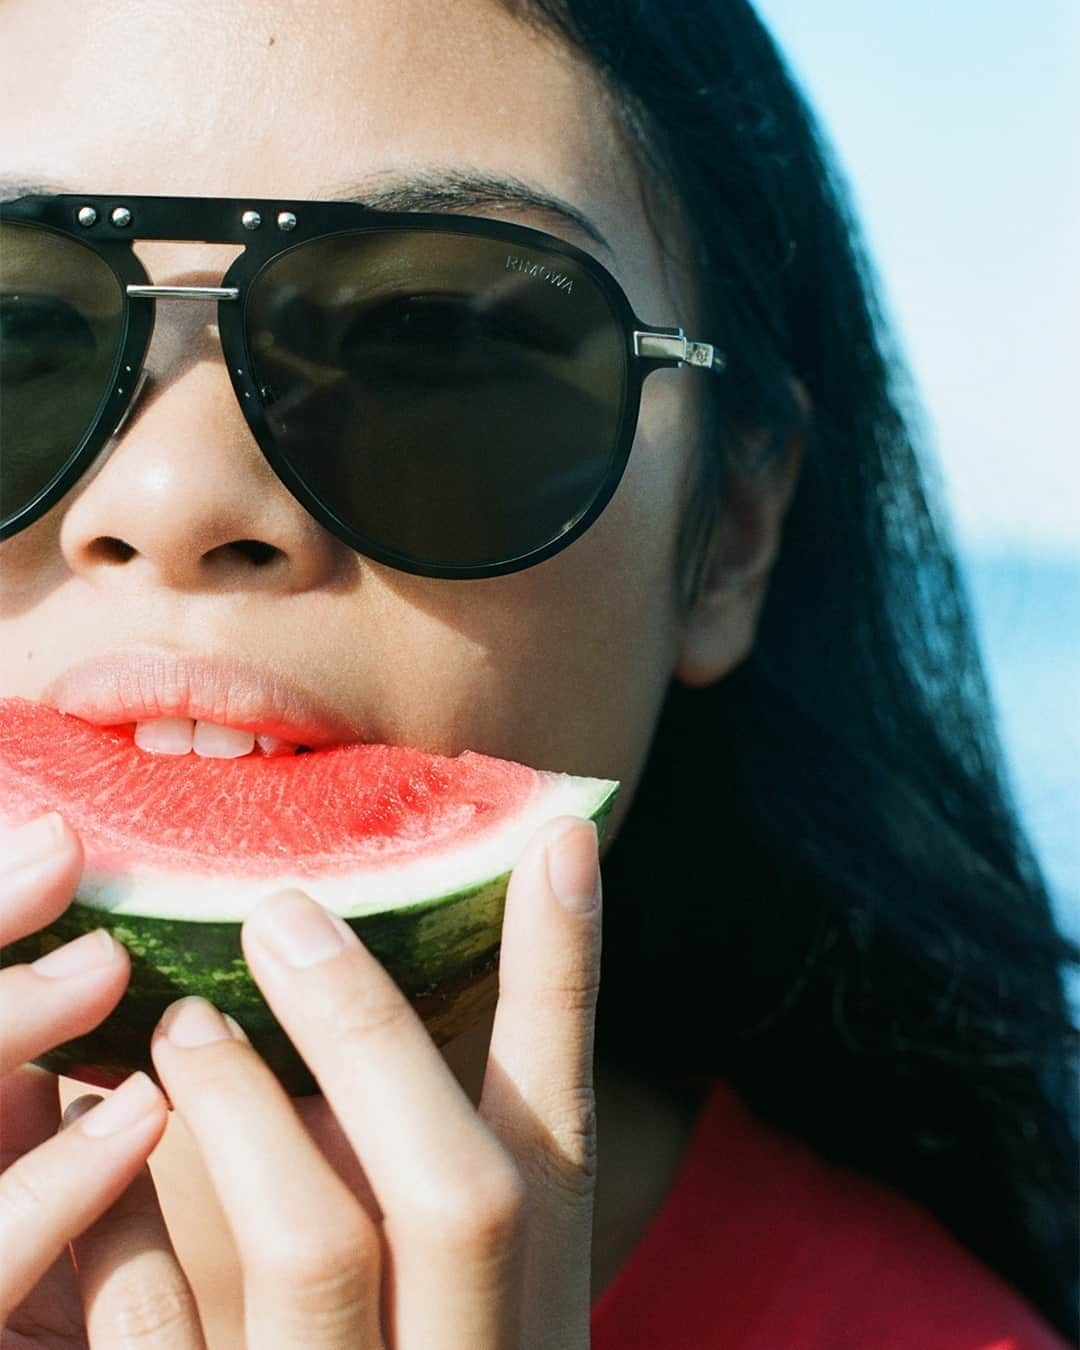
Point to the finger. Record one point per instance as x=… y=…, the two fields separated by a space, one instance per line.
x=61 y=995
x=49 y=1196
x=451 y=1197
x=29 y=1115
x=29 y=1111
x=134 y=1290
x=538 y=1089
x=323 y=1126
x=40 y=865
x=311 y=1257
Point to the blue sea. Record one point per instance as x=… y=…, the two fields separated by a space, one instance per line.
x=1027 y=611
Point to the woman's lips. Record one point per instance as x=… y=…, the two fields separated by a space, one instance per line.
x=141 y=684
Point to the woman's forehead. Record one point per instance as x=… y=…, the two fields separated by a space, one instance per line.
x=274 y=98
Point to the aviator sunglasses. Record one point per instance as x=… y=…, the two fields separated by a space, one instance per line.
x=449 y=395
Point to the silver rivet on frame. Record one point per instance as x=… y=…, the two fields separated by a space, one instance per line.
x=286 y=220
x=120 y=217
x=251 y=220
x=87 y=216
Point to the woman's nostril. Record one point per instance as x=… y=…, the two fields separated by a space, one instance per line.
x=255 y=550
x=109 y=550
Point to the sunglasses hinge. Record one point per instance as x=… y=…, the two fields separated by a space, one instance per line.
x=676 y=347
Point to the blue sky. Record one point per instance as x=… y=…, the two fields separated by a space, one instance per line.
x=957 y=125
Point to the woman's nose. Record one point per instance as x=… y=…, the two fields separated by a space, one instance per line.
x=184 y=498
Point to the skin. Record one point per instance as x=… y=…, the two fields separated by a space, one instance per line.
x=208 y=99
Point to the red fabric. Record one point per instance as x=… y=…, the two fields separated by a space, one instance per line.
x=762 y=1245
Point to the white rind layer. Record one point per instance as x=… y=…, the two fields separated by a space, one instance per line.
x=206 y=897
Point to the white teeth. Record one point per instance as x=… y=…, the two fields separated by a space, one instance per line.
x=214 y=742
x=182 y=735
x=165 y=735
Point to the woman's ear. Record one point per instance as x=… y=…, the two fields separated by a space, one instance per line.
x=719 y=629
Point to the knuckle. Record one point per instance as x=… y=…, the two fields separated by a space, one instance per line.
x=146 y=1314
x=567 y=1155
x=319 y=1306
x=482 y=1212
x=364 y=1011
x=22 y=1194
x=319 y=1265
x=222 y=1071
x=574 y=994
x=327 y=1311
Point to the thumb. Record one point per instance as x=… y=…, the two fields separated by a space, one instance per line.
x=538 y=1089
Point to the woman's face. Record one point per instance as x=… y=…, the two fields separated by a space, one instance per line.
x=563 y=666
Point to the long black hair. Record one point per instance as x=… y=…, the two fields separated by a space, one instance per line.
x=821 y=890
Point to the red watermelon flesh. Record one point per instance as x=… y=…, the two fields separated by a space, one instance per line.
x=414 y=850
x=359 y=826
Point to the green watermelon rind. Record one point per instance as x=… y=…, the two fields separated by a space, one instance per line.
x=442 y=952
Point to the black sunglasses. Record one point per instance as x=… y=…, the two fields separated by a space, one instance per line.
x=451 y=396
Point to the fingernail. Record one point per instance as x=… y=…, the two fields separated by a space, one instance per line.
x=132 y=1101
x=573 y=870
x=300 y=932
x=77 y=1109
x=237 y=1031
x=32 y=843
x=89 y=952
x=193 y=1021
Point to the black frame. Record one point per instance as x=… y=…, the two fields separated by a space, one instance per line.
x=220 y=220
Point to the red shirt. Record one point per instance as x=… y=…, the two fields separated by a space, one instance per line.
x=762 y=1245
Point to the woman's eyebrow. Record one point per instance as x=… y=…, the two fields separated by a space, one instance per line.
x=11 y=189
x=463 y=190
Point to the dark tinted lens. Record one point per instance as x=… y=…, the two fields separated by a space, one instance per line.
x=61 y=323
x=455 y=398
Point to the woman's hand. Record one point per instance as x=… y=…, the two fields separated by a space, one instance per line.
x=470 y=1227
x=463 y=1226
x=53 y=1187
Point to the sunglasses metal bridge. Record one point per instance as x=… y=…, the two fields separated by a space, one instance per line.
x=183 y=292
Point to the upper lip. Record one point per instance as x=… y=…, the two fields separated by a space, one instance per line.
x=138 y=684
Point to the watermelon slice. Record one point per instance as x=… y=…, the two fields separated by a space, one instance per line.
x=414 y=850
